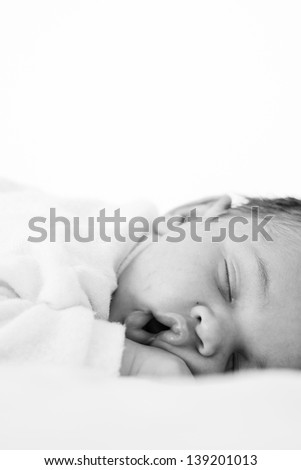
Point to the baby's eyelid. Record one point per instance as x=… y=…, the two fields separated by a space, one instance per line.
x=221 y=282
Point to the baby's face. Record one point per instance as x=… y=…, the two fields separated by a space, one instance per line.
x=177 y=296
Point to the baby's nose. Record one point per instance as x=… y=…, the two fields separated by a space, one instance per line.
x=182 y=329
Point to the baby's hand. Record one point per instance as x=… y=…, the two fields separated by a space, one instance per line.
x=148 y=361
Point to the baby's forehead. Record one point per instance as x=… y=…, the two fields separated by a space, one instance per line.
x=239 y=230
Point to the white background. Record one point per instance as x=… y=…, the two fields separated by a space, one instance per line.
x=165 y=100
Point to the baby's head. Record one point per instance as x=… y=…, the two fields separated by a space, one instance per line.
x=232 y=300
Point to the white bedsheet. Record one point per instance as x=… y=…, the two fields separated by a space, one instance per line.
x=75 y=409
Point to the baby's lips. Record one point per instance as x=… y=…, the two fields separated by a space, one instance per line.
x=134 y=327
x=137 y=319
x=178 y=335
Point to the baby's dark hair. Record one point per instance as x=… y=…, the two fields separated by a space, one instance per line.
x=285 y=206
x=286 y=213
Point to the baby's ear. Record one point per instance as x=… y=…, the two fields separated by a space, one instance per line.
x=220 y=205
x=207 y=207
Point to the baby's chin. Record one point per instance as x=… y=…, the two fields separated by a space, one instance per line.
x=188 y=354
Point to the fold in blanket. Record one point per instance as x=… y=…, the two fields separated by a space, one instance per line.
x=55 y=297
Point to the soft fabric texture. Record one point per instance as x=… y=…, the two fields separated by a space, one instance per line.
x=55 y=297
x=47 y=408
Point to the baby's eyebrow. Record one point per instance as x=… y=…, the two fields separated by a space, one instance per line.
x=263 y=273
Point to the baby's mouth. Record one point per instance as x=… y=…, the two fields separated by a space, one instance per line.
x=154 y=326
x=143 y=327
x=148 y=328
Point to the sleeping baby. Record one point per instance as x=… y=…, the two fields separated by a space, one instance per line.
x=217 y=297
x=222 y=302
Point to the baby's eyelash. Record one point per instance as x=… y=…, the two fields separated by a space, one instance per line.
x=228 y=282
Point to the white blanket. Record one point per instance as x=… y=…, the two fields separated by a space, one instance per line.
x=76 y=409
x=55 y=297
